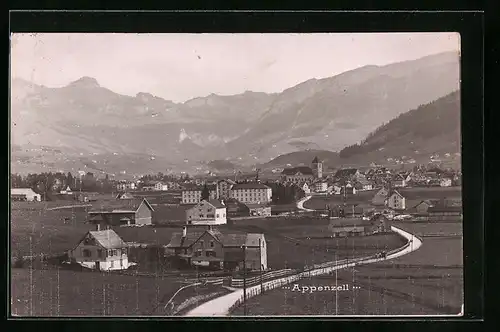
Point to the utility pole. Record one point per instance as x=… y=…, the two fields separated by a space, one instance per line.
x=260 y=266
x=244 y=281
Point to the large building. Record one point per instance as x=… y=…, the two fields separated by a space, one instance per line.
x=395 y=200
x=224 y=188
x=122 y=213
x=192 y=194
x=211 y=212
x=302 y=174
x=219 y=249
x=251 y=193
x=317 y=168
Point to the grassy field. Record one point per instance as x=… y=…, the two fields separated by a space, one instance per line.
x=365 y=197
x=294 y=243
x=427 y=281
x=71 y=293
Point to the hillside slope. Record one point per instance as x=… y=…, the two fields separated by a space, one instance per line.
x=429 y=130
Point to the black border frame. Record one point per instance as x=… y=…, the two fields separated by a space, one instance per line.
x=469 y=24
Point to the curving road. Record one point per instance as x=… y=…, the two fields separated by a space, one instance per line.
x=221 y=305
x=300 y=204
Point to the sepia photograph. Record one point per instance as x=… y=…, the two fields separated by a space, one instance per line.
x=235 y=175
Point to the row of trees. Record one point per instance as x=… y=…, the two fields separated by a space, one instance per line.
x=285 y=194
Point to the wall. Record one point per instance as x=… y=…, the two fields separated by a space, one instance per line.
x=143 y=215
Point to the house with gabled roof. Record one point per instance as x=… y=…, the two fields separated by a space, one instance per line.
x=395 y=200
x=24 y=194
x=219 y=249
x=124 y=195
x=298 y=174
x=211 y=212
x=122 y=213
x=102 y=250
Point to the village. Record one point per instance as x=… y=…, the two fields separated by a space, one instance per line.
x=203 y=207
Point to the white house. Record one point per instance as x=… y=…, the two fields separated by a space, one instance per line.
x=395 y=201
x=445 y=182
x=101 y=250
x=211 y=212
x=320 y=186
x=122 y=186
x=66 y=191
x=160 y=186
x=305 y=188
x=24 y=194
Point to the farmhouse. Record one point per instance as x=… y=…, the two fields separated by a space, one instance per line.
x=251 y=193
x=219 y=250
x=320 y=186
x=399 y=181
x=395 y=200
x=211 y=212
x=305 y=187
x=347 y=174
x=348 y=190
x=101 y=250
x=126 y=212
x=24 y=194
x=160 y=186
x=235 y=208
x=125 y=185
x=66 y=191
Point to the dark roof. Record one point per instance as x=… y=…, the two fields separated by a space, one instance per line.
x=216 y=203
x=108 y=239
x=294 y=170
x=119 y=206
x=257 y=206
x=346 y=172
x=315 y=160
x=251 y=185
x=226 y=238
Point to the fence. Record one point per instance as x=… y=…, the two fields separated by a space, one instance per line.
x=320 y=269
x=265 y=277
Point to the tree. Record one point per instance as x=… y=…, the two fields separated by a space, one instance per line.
x=70 y=180
x=205 y=193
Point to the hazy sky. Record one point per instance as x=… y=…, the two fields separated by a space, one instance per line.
x=179 y=67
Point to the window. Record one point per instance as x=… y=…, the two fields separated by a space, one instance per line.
x=202 y=243
x=87 y=253
x=110 y=252
x=100 y=253
x=210 y=253
x=212 y=244
x=217 y=215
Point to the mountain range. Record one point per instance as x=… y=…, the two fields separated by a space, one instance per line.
x=93 y=125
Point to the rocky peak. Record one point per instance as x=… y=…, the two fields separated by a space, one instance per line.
x=85 y=82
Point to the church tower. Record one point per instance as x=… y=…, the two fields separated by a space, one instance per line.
x=317 y=167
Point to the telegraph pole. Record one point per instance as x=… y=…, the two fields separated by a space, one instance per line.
x=244 y=281
x=260 y=266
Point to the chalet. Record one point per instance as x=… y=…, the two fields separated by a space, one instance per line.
x=380 y=197
x=298 y=174
x=445 y=182
x=101 y=250
x=122 y=213
x=395 y=201
x=211 y=212
x=216 y=249
x=24 y=194
x=124 y=195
